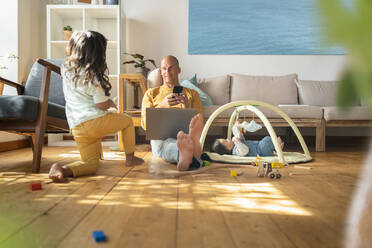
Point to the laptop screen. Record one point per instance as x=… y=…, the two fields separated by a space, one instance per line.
x=163 y=123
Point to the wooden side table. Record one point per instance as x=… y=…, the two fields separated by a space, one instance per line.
x=138 y=81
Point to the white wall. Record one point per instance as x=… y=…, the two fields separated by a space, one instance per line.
x=9 y=44
x=158 y=28
x=8 y=38
x=20 y=23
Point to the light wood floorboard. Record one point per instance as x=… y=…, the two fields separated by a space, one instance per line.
x=135 y=208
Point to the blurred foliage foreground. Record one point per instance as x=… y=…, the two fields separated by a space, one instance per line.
x=352 y=28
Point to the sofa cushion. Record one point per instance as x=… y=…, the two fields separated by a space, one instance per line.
x=271 y=89
x=208 y=111
x=154 y=79
x=193 y=80
x=191 y=84
x=25 y=108
x=354 y=113
x=217 y=88
x=33 y=84
x=293 y=111
x=302 y=111
x=317 y=93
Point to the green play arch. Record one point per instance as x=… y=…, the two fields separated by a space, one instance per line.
x=284 y=157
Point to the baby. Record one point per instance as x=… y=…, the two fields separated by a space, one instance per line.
x=241 y=147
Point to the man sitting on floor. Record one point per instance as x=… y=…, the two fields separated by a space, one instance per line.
x=172 y=150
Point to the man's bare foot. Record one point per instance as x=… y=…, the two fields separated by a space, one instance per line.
x=185 y=146
x=131 y=160
x=281 y=142
x=58 y=173
x=196 y=128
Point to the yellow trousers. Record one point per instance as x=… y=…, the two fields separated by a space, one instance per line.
x=88 y=137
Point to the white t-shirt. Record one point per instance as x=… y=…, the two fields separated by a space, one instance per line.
x=81 y=100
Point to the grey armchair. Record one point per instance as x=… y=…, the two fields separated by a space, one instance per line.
x=38 y=108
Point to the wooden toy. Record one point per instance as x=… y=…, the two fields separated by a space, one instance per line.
x=274 y=170
x=278 y=165
x=233 y=173
x=35 y=186
x=99 y=236
x=260 y=167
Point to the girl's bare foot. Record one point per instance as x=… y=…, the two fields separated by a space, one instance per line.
x=185 y=146
x=195 y=129
x=58 y=173
x=131 y=160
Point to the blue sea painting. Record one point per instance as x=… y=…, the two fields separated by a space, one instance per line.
x=256 y=27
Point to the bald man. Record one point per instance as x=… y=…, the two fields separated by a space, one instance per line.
x=185 y=150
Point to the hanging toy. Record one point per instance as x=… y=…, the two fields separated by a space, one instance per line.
x=240 y=148
x=252 y=126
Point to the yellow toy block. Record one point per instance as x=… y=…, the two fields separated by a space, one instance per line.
x=258 y=159
x=233 y=173
x=278 y=165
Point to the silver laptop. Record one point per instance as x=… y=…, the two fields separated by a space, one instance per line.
x=163 y=123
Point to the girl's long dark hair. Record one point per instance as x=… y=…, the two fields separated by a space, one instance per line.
x=87 y=51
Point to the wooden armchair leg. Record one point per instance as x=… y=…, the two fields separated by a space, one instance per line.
x=38 y=146
x=32 y=141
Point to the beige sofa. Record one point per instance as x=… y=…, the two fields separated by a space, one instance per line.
x=308 y=103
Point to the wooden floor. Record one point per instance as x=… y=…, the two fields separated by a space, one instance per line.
x=306 y=208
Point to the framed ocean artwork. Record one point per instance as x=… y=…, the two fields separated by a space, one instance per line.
x=256 y=27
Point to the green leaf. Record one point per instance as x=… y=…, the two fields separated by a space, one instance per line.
x=138 y=56
x=130 y=62
x=347 y=95
x=135 y=55
x=152 y=61
x=67 y=28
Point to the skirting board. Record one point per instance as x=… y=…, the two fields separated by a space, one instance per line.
x=13 y=145
x=57 y=140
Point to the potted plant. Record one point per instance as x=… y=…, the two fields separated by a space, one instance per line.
x=67 y=32
x=139 y=62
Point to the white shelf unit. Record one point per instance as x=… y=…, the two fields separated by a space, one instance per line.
x=101 y=18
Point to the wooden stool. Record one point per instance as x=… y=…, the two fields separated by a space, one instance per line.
x=138 y=81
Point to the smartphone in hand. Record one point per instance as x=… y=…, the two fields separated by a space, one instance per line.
x=177 y=89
